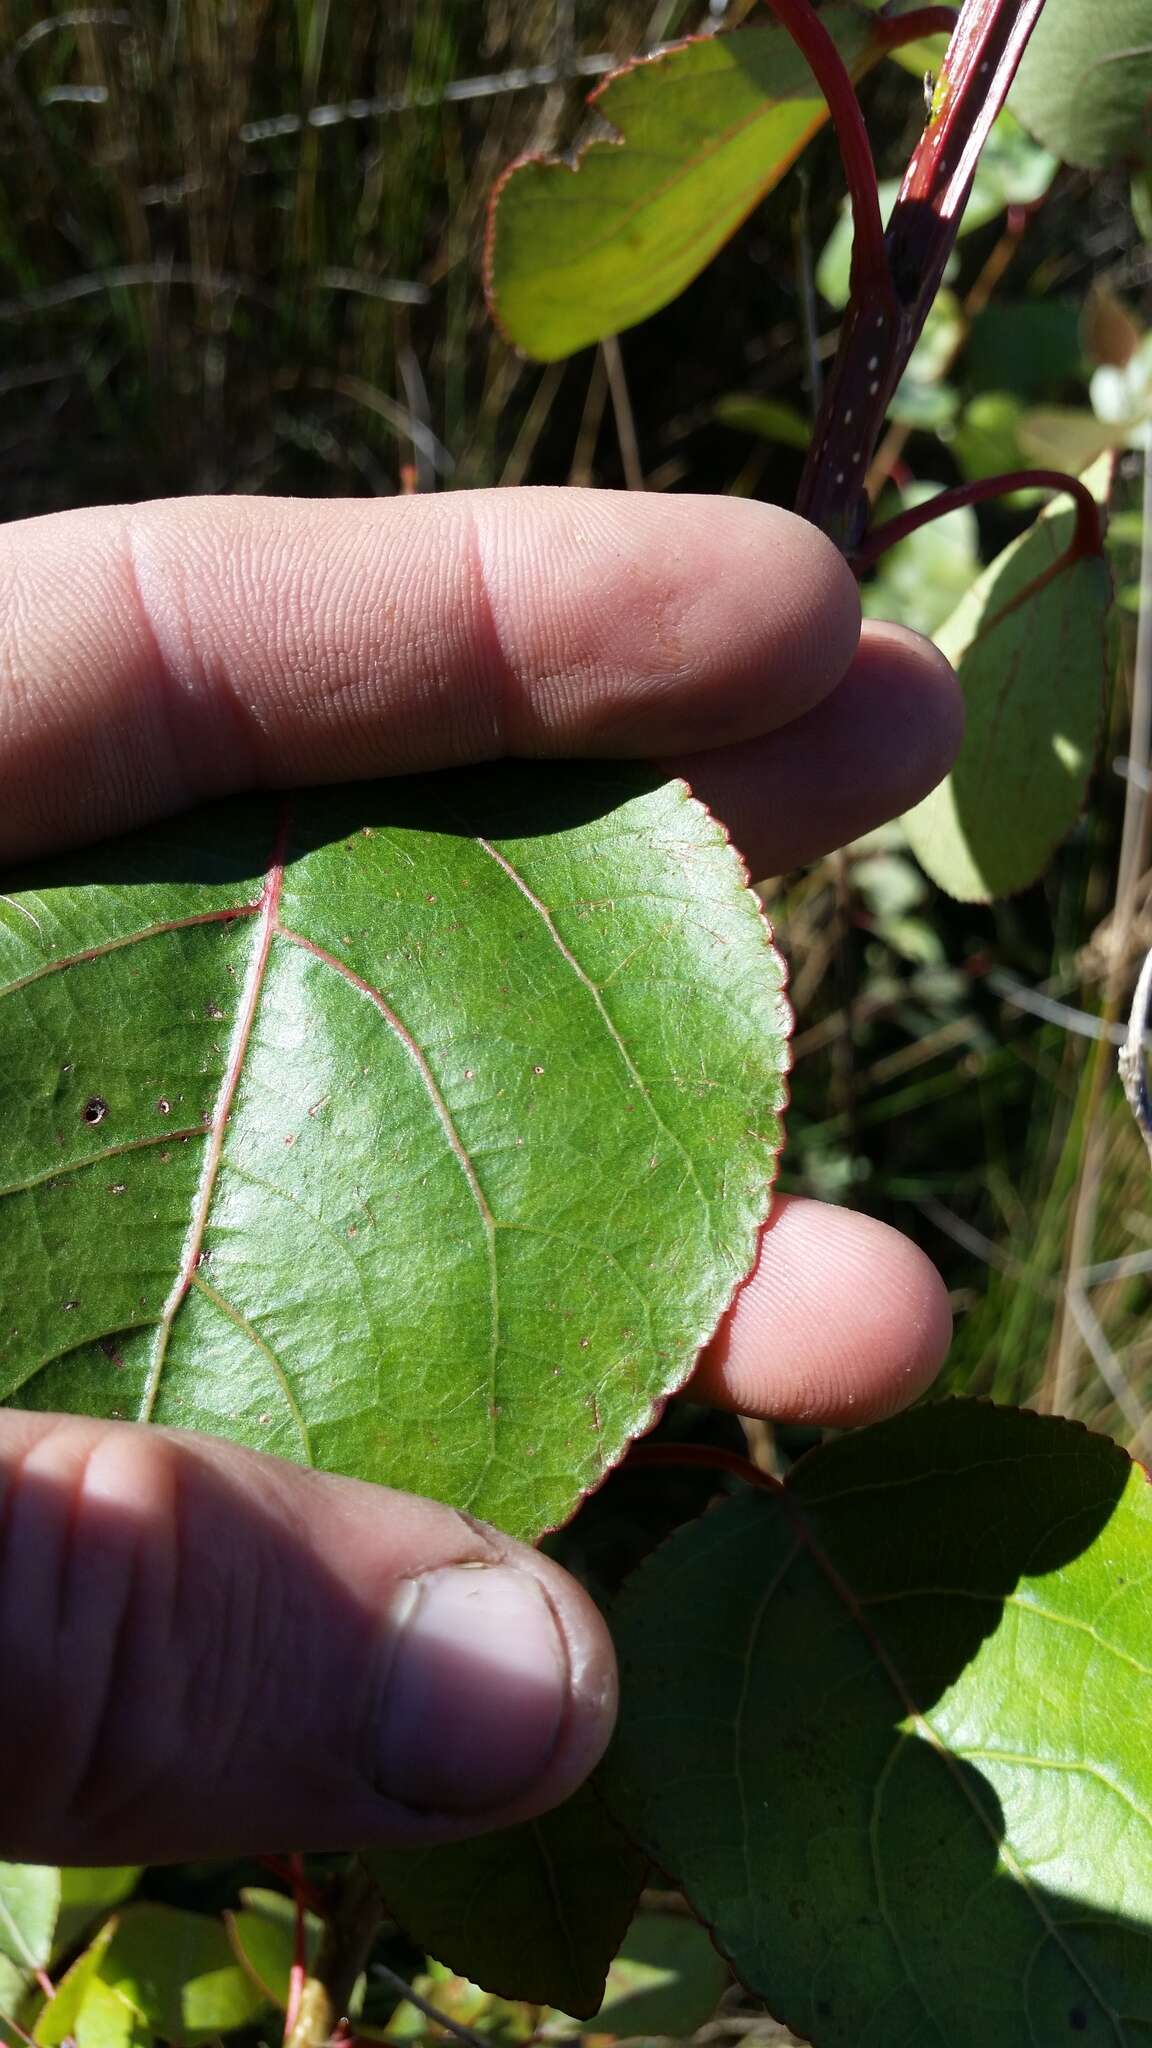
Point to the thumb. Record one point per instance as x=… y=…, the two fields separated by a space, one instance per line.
x=209 y=1652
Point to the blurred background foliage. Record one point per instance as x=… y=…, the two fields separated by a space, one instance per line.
x=240 y=250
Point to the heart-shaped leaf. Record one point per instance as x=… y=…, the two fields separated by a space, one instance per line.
x=421 y=1130
x=703 y=132
x=535 y=1912
x=1028 y=647
x=1085 y=82
x=888 y=1726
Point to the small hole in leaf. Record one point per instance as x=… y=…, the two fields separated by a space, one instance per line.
x=1078 y=2020
x=95 y=1109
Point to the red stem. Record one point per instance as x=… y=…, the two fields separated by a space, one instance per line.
x=881 y=327
x=869 y=258
x=313 y=1897
x=1088 y=538
x=713 y=1456
x=981 y=62
x=297 y=1976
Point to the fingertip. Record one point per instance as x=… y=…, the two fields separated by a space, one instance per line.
x=843 y=1320
x=884 y=737
x=920 y=675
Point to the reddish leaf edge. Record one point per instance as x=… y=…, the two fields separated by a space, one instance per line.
x=659 y=1406
x=886 y=35
x=781 y=1488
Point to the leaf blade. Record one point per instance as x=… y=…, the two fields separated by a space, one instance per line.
x=533 y=1912
x=1085 y=79
x=1029 y=649
x=706 y=130
x=845 y=1655
x=434 y=1161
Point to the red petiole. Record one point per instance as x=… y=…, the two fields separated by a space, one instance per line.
x=1088 y=538
x=896 y=275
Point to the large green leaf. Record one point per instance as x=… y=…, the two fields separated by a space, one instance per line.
x=703 y=131
x=889 y=1728
x=1085 y=83
x=1031 y=666
x=424 y=1133
x=535 y=1912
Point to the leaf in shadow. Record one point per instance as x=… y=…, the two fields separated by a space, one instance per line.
x=532 y=1912
x=888 y=1728
x=1028 y=644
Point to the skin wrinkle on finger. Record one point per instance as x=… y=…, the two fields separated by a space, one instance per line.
x=295 y=641
x=235 y=1648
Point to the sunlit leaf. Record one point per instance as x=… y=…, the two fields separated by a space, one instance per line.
x=87 y=1894
x=15 y=1984
x=536 y=1911
x=888 y=1728
x=1085 y=82
x=29 y=1903
x=171 y=1974
x=422 y=1132
x=1030 y=656
x=263 y=1938
x=703 y=132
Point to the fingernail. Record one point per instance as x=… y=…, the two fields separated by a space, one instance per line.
x=477 y=1691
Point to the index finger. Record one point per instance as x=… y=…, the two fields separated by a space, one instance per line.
x=157 y=654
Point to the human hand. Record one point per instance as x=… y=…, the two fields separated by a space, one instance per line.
x=207 y=1651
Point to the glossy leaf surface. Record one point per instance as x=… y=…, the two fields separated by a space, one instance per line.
x=1031 y=666
x=703 y=132
x=888 y=1727
x=533 y=1912
x=423 y=1134
x=1085 y=82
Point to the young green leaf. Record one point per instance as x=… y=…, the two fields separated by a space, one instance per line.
x=703 y=132
x=15 y=1985
x=888 y=1728
x=29 y=1903
x=534 y=1912
x=153 y=1973
x=85 y=1895
x=263 y=1938
x=1029 y=651
x=421 y=1131
x=1086 y=79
